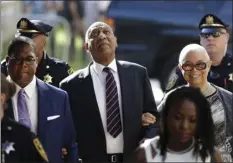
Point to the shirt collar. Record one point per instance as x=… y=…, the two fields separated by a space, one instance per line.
x=29 y=89
x=99 y=67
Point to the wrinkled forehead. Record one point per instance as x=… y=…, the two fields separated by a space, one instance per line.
x=97 y=26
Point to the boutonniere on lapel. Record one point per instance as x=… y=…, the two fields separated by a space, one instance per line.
x=8 y=147
x=48 y=78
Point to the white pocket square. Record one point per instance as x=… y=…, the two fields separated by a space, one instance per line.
x=52 y=117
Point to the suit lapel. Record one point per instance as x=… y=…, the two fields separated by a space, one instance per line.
x=126 y=78
x=44 y=109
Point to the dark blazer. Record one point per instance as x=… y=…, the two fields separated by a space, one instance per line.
x=57 y=133
x=137 y=98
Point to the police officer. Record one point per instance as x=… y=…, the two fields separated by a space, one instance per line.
x=18 y=143
x=214 y=38
x=50 y=70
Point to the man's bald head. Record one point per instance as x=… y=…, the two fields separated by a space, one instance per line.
x=94 y=25
x=193 y=48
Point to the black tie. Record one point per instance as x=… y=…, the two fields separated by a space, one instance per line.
x=114 y=127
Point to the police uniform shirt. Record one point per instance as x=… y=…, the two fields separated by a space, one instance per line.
x=52 y=70
x=221 y=74
x=19 y=144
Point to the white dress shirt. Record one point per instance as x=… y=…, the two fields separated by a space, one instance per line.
x=114 y=145
x=32 y=102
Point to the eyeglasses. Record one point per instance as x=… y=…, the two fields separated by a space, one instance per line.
x=198 y=66
x=18 y=61
x=215 y=34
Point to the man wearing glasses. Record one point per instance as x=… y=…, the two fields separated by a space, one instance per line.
x=214 y=38
x=50 y=70
x=42 y=108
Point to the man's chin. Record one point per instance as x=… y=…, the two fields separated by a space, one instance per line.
x=24 y=81
x=211 y=51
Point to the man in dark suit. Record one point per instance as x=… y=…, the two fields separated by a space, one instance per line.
x=39 y=106
x=107 y=99
x=50 y=70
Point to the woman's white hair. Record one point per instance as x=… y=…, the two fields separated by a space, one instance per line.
x=192 y=48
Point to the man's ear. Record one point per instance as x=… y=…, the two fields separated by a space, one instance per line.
x=86 y=47
x=227 y=37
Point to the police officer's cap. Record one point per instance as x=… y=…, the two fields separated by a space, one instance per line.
x=211 y=23
x=26 y=27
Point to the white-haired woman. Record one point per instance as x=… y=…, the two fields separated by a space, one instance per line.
x=194 y=62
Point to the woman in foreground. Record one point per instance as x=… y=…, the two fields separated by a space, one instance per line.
x=187 y=131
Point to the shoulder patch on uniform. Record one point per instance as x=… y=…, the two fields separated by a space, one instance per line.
x=70 y=71
x=40 y=149
x=172 y=82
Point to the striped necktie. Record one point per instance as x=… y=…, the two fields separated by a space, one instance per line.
x=114 y=126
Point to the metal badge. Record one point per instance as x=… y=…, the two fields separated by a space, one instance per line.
x=48 y=78
x=8 y=147
x=23 y=24
x=209 y=20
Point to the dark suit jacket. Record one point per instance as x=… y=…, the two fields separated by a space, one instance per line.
x=57 y=133
x=137 y=98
